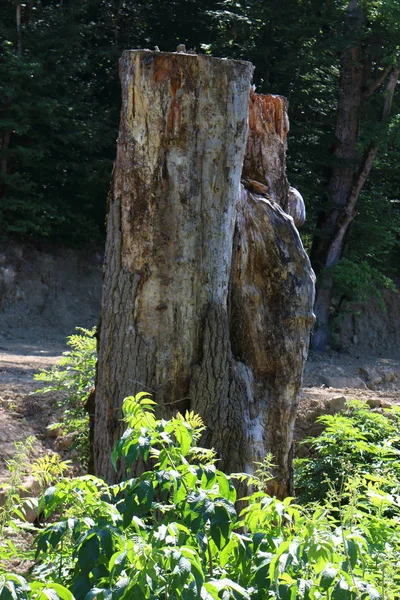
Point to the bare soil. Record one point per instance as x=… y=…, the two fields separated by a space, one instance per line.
x=46 y=291
x=24 y=413
x=317 y=398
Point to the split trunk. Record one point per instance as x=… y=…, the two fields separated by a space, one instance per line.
x=208 y=293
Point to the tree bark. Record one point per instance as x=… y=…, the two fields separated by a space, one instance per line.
x=185 y=254
x=271 y=304
x=265 y=159
x=170 y=226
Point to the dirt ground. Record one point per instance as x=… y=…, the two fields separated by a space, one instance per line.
x=24 y=413
x=46 y=291
x=332 y=378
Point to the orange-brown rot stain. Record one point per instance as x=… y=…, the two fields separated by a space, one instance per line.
x=174 y=116
x=256 y=187
x=268 y=113
x=169 y=69
x=162 y=68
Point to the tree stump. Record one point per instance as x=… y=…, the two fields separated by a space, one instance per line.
x=269 y=313
x=207 y=295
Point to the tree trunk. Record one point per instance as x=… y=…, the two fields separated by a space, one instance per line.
x=344 y=155
x=5 y=143
x=344 y=151
x=346 y=180
x=5 y=139
x=18 y=7
x=184 y=251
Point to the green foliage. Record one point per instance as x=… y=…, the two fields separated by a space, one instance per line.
x=74 y=376
x=59 y=105
x=45 y=470
x=48 y=469
x=59 y=102
x=358 y=442
x=57 y=162
x=17 y=468
x=358 y=281
x=174 y=532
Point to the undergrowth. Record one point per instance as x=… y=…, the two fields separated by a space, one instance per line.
x=18 y=501
x=174 y=532
x=73 y=377
x=356 y=443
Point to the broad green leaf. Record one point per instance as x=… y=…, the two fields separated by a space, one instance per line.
x=48 y=593
x=352 y=550
x=223 y=483
x=61 y=591
x=209 y=592
x=341 y=591
x=88 y=553
x=226 y=583
x=117 y=562
x=289 y=591
x=327 y=577
x=184 y=437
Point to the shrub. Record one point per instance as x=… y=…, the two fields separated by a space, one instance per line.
x=74 y=377
x=174 y=532
x=358 y=442
x=45 y=470
x=358 y=281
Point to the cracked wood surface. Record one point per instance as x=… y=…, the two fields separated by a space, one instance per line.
x=207 y=296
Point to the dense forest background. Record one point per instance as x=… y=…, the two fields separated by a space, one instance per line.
x=60 y=97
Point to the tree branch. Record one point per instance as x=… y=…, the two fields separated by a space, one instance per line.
x=369 y=155
x=390 y=88
x=361 y=176
x=377 y=83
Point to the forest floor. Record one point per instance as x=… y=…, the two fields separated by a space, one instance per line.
x=329 y=380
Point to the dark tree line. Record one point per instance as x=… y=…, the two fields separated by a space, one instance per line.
x=337 y=62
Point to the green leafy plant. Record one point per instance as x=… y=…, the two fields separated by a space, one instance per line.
x=16 y=499
x=173 y=532
x=74 y=376
x=358 y=281
x=17 y=468
x=49 y=469
x=356 y=442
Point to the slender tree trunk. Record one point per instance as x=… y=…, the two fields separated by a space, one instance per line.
x=208 y=293
x=346 y=181
x=117 y=17
x=344 y=152
x=5 y=139
x=5 y=143
x=18 y=8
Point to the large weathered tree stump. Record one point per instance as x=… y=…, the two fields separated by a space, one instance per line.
x=207 y=296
